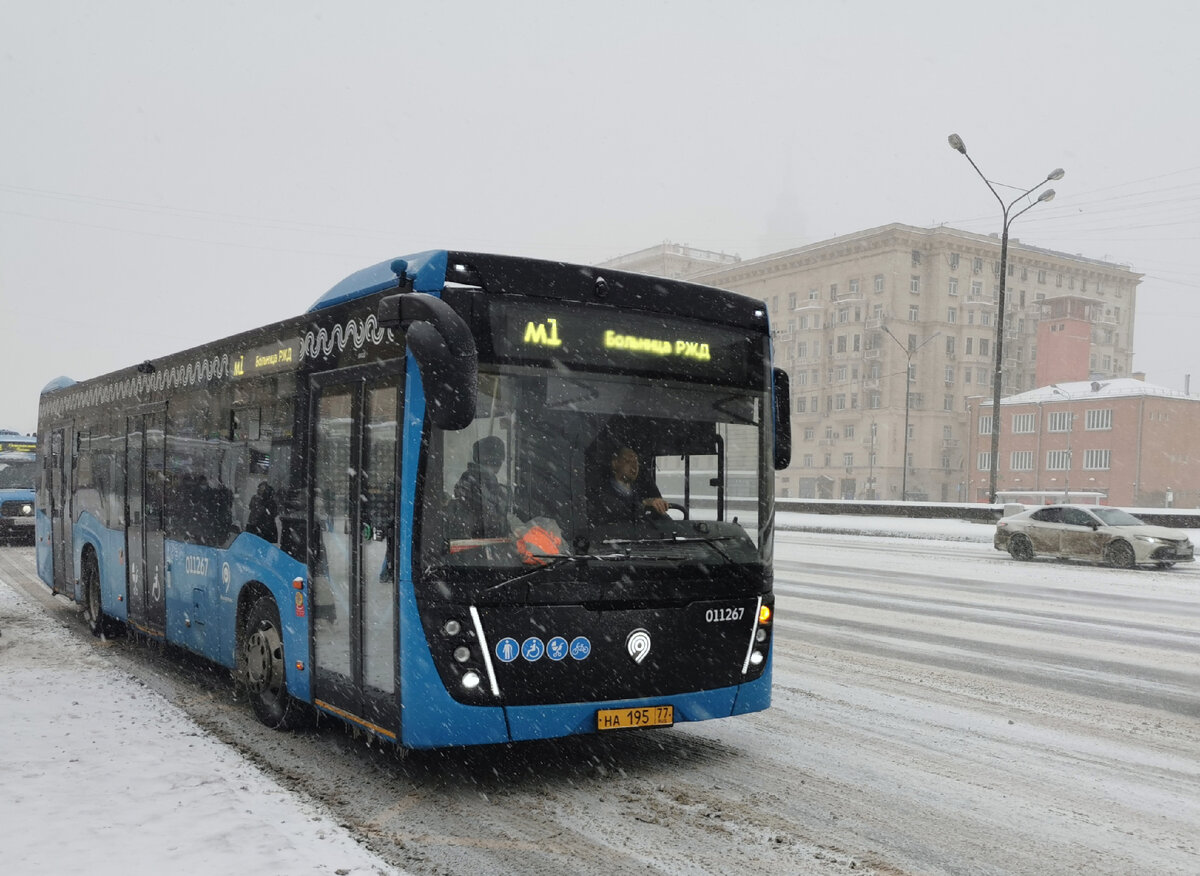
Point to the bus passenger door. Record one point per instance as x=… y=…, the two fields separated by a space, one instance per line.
x=145 y=483
x=61 y=536
x=352 y=551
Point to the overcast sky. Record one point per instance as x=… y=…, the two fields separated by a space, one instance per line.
x=171 y=173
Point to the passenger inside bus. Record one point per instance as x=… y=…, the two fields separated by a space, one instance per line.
x=481 y=503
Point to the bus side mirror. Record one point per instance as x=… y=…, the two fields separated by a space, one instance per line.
x=441 y=342
x=782 y=392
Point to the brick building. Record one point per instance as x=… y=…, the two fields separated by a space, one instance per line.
x=1128 y=441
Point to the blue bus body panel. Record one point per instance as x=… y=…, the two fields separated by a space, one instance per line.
x=109 y=545
x=43 y=549
x=427 y=270
x=431 y=718
x=203 y=586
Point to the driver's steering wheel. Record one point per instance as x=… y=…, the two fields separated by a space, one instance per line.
x=675 y=506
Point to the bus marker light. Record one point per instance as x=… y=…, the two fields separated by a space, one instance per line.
x=298 y=583
x=300 y=665
x=462 y=653
x=760 y=635
x=764 y=614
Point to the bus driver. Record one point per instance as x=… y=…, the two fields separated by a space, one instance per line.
x=622 y=498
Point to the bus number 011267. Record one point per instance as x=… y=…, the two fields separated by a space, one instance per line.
x=719 y=615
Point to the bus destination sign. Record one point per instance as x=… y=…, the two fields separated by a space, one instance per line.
x=625 y=341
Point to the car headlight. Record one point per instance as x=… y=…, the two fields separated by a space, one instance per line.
x=1148 y=538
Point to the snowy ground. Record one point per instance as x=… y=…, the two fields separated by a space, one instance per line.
x=101 y=774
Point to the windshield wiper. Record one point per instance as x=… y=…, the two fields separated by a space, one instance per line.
x=711 y=541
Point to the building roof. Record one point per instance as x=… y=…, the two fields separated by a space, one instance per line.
x=1089 y=390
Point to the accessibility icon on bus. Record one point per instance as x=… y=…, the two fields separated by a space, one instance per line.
x=556 y=648
x=507 y=650
x=532 y=649
x=581 y=648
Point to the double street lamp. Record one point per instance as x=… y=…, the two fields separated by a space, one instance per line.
x=956 y=143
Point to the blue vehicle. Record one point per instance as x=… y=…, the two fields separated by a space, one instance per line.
x=384 y=509
x=18 y=473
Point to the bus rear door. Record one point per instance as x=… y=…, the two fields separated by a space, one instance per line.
x=61 y=536
x=145 y=488
x=352 y=551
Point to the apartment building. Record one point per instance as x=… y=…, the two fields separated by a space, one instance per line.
x=889 y=333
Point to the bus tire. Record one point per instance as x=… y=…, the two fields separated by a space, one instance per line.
x=93 y=602
x=265 y=670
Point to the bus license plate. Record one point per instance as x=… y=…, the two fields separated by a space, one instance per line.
x=625 y=719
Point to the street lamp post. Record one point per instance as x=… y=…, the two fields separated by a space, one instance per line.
x=956 y=143
x=908 y=354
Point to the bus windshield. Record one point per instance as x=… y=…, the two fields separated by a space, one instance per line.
x=18 y=470
x=598 y=466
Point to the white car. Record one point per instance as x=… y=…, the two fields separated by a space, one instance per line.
x=1091 y=532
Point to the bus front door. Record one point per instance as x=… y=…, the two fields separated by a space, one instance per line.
x=145 y=467
x=352 y=550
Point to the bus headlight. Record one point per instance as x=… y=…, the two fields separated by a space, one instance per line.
x=452 y=627
x=470 y=680
x=757 y=658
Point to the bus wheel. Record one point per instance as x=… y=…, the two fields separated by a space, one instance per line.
x=93 y=608
x=264 y=664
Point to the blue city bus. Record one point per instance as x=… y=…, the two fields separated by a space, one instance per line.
x=384 y=509
x=18 y=474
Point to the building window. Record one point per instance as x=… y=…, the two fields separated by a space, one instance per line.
x=949 y=375
x=967 y=373
x=914 y=285
x=841 y=373
x=1041 y=276
x=841 y=343
x=1059 y=421
x=947 y=403
x=950 y=346
x=833 y=291
x=843 y=315
x=1096 y=460
x=1021 y=460
x=954 y=261
x=848 y=431
x=809 y=432
x=976 y=289
x=1023 y=423
x=914 y=312
x=839 y=402
x=970 y=342
x=983 y=462
x=814 y=294
x=854 y=287
x=808 y=460
x=1098 y=420
x=801 y=404
x=984 y=346
x=985 y=318
x=1058 y=460
x=916 y=257
x=873 y=400
x=985 y=424
x=801 y=349
x=953 y=286
x=976 y=265
x=857 y=343
x=848 y=460
x=951 y=315
x=878 y=283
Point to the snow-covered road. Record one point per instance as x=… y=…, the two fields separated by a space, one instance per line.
x=938 y=708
